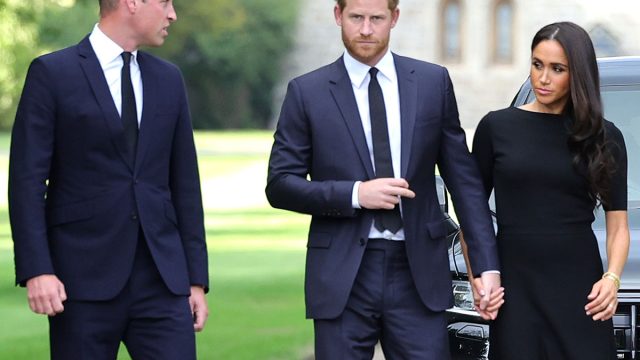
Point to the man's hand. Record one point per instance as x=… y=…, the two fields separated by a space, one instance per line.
x=46 y=294
x=199 y=308
x=488 y=295
x=383 y=193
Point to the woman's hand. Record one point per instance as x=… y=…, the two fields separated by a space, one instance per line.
x=603 y=300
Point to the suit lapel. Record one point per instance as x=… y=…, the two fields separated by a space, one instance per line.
x=95 y=76
x=149 y=106
x=408 y=91
x=342 y=92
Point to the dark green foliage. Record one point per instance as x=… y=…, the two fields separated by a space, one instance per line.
x=229 y=51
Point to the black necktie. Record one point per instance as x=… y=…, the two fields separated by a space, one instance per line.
x=384 y=219
x=129 y=113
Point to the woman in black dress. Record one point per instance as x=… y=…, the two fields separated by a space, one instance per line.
x=550 y=164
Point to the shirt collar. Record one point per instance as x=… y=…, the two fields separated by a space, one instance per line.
x=358 y=71
x=106 y=49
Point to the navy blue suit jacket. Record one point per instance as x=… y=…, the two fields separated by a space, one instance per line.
x=76 y=204
x=320 y=150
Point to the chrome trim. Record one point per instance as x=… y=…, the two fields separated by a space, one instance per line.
x=460 y=311
x=634 y=322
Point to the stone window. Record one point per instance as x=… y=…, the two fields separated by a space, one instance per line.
x=451 y=31
x=503 y=32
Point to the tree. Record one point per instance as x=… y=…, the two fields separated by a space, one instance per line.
x=229 y=51
x=16 y=50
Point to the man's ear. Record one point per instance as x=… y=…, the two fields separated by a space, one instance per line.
x=337 y=13
x=394 y=17
x=131 y=5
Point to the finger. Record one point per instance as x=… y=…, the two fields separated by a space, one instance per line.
x=47 y=307
x=484 y=301
x=40 y=305
x=33 y=305
x=605 y=300
x=495 y=307
x=499 y=292
x=398 y=182
x=399 y=191
x=611 y=310
x=606 y=313
x=598 y=305
x=56 y=305
x=495 y=301
x=62 y=293
x=387 y=203
x=407 y=193
x=198 y=323
x=391 y=200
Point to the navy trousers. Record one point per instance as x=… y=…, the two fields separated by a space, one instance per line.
x=383 y=306
x=152 y=322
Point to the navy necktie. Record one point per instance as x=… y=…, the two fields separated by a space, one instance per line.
x=129 y=114
x=384 y=219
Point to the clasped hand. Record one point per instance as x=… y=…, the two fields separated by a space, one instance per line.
x=488 y=295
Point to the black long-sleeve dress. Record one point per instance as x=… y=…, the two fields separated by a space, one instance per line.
x=549 y=254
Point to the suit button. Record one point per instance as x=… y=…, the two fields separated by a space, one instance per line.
x=363 y=242
x=134 y=216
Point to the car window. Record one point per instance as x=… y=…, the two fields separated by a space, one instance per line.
x=622 y=107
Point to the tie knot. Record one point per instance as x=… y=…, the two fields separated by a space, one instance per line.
x=126 y=57
x=374 y=72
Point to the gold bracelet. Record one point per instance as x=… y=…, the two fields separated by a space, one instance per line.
x=612 y=276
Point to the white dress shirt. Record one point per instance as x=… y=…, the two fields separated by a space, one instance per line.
x=109 y=55
x=388 y=79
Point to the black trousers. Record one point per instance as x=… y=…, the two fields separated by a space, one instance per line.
x=152 y=322
x=384 y=306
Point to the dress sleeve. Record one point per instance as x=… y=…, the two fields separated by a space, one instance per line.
x=618 y=190
x=483 y=152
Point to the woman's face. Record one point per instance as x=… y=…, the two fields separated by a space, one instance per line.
x=550 y=76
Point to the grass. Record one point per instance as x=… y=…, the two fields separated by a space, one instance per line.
x=256 y=262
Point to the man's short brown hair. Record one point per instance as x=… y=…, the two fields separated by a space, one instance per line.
x=393 y=4
x=107 y=6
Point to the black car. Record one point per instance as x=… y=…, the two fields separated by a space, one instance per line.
x=620 y=89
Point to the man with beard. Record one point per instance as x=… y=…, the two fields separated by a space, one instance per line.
x=356 y=147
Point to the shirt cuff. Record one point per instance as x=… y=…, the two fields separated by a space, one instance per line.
x=491 y=272
x=354 y=195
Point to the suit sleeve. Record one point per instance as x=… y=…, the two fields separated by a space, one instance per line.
x=30 y=159
x=290 y=184
x=460 y=173
x=186 y=196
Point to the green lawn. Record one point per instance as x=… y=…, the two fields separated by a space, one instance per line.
x=256 y=262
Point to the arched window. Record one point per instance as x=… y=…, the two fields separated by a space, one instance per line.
x=451 y=31
x=503 y=31
x=604 y=42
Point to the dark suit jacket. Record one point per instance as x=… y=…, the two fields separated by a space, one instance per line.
x=320 y=134
x=75 y=202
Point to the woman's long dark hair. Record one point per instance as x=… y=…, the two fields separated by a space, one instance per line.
x=587 y=138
